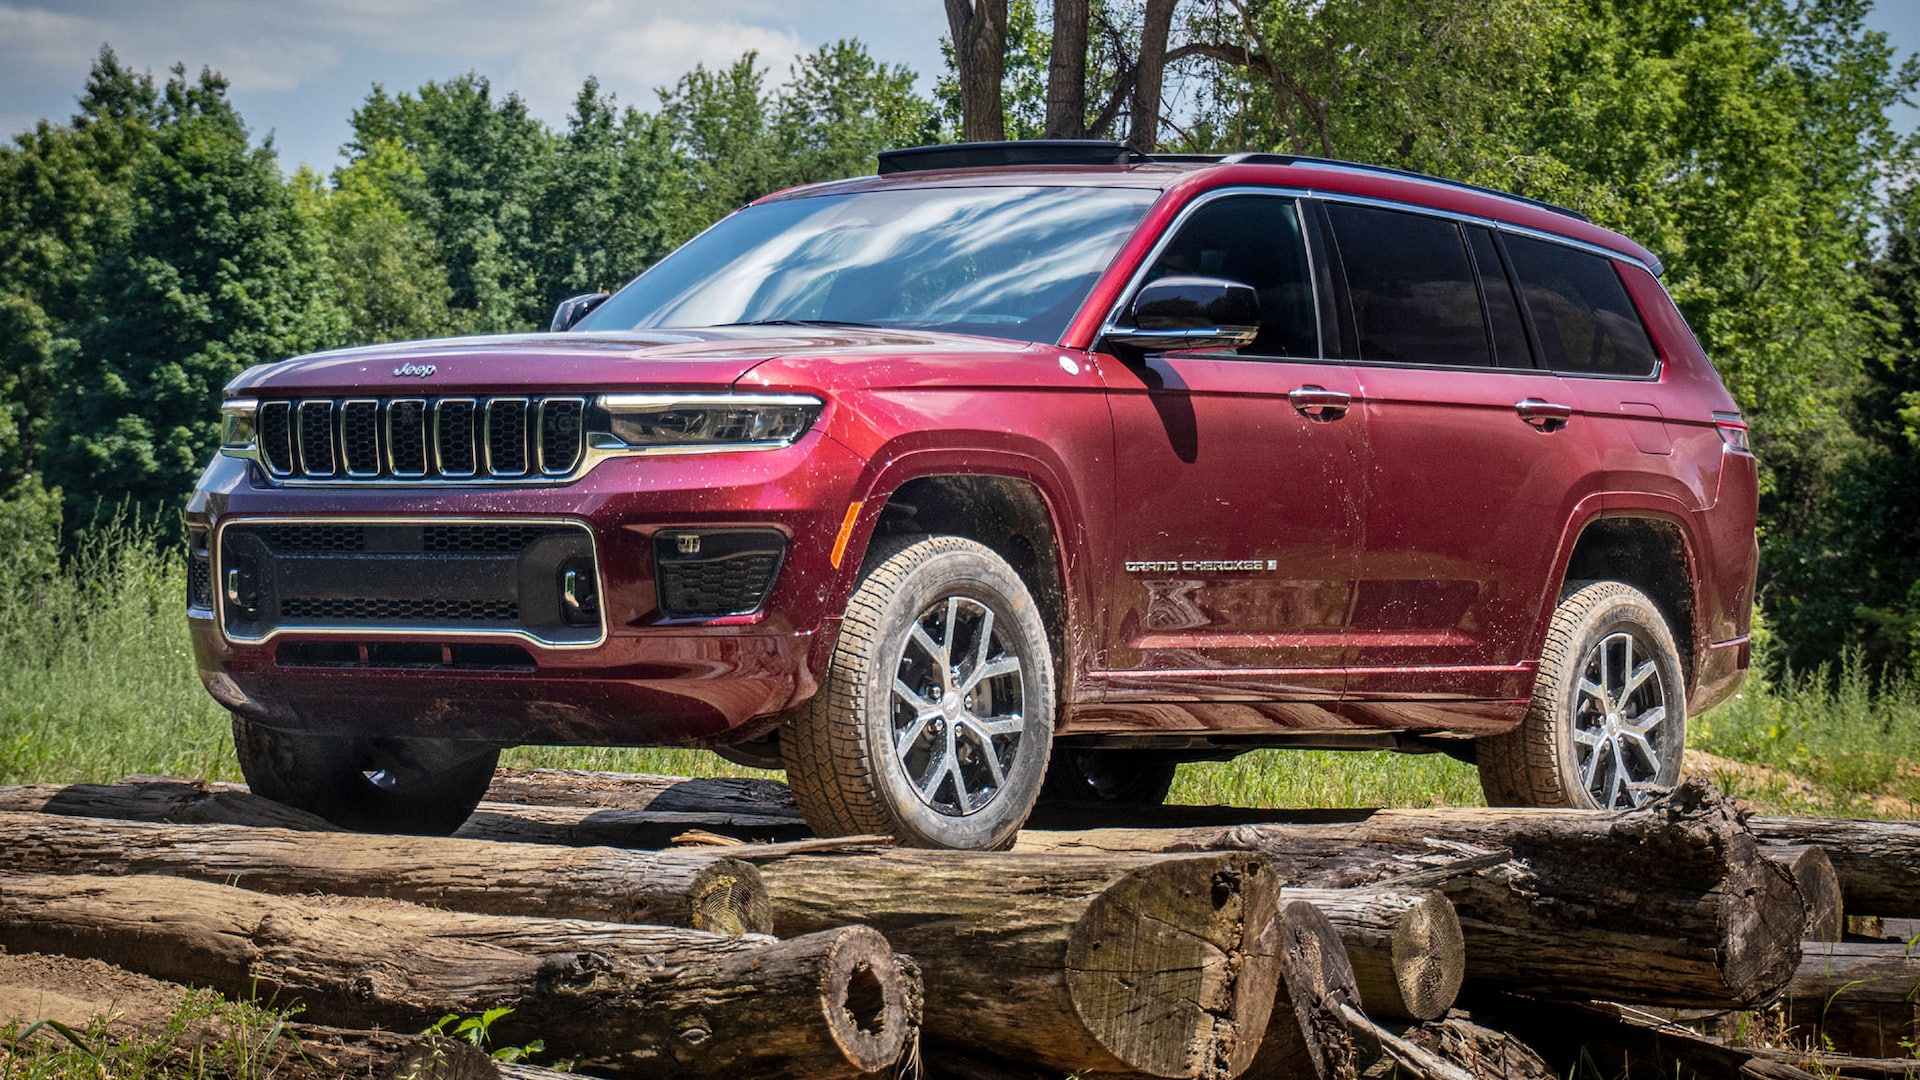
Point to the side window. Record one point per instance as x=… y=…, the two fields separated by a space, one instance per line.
x=1414 y=296
x=1581 y=312
x=1256 y=240
x=1510 y=348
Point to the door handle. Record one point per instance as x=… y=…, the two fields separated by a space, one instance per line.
x=1545 y=415
x=1319 y=403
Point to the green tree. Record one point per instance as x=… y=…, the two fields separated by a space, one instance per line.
x=721 y=129
x=388 y=278
x=841 y=107
x=212 y=272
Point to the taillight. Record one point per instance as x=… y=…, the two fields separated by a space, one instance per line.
x=1733 y=431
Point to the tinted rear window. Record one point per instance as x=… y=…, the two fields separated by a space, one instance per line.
x=1585 y=322
x=1413 y=291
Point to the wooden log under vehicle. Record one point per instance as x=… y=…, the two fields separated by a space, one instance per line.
x=699 y=888
x=1406 y=950
x=626 y=999
x=1307 y=1036
x=181 y=802
x=1670 y=903
x=1155 y=965
x=1861 y=998
x=1877 y=862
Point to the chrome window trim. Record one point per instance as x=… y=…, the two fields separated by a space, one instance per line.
x=1134 y=281
x=340 y=421
x=426 y=432
x=395 y=630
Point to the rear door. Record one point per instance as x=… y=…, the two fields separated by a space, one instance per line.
x=1476 y=461
x=1240 y=486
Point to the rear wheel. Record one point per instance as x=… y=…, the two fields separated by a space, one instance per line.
x=426 y=787
x=1112 y=777
x=1607 y=726
x=936 y=716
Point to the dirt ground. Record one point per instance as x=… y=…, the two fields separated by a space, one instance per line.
x=37 y=986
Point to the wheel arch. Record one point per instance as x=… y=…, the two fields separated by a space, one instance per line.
x=1650 y=548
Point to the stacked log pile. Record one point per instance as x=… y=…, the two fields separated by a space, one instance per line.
x=1195 y=942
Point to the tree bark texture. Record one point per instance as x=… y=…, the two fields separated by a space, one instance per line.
x=628 y=999
x=1143 y=128
x=1153 y=965
x=979 y=29
x=1859 y=998
x=1819 y=888
x=1406 y=949
x=1878 y=862
x=1307 y=1038
x=1067 y=72
x=1666 y=904
x=183 y=802
x=698 y=888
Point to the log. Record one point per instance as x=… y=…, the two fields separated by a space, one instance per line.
x=700 y=888
x=1405 y=945
x=627 y=999
x=609 y=827
x=1307 y=1035
x=721 y=796
x=1878 y=862
x=1666 y=904
x=1145 y=964
x=1860 y=998
x=1819 y=887
x=182 y=802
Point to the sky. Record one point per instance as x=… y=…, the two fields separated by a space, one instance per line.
x=298 y=69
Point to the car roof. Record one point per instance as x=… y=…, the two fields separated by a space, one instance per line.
x=1192 y=174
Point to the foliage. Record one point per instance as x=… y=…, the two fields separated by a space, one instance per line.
x=204 y=1035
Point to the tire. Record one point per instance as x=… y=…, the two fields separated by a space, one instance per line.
x=907 y=738
x=1109 y=777
x=1607 y=726
x=425 y=787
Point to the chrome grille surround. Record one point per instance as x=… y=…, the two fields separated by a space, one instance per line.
x=507 y=438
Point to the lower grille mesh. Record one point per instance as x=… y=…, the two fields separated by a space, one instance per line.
x=391 y=609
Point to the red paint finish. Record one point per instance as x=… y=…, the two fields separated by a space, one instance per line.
x=1232 y=560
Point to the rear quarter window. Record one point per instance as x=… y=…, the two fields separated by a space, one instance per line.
x=1581 y=313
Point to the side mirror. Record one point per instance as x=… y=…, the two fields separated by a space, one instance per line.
x=575 y=308
x=1189 y=312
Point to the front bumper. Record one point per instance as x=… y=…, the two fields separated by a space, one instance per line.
x=651 y=679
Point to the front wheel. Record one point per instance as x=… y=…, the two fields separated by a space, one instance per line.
x=425 y=787
x=936 y=717
x=1607 y=726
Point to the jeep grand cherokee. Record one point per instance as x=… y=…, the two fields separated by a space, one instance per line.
x=1015 y=467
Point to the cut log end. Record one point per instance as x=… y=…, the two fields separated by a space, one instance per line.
x=1307 y=1037
x=1429 y=960
x=865 y=999
x=728 y=897
x=1819 y=887
x=1172 y=967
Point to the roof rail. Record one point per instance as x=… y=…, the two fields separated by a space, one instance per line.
x=999 y=154
x=1388 y=170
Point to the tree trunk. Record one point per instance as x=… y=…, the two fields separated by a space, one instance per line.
x=1307 y=1038
x=1878 y=862
x=1819 y=888
x=723 y=795
x=979 y=29
x=1405 y=946
x=1859 y=998
x=183 y=802
x=697 y=888
x=1143 y=129
x=625 y=998
x=1667 y=904
x=1151 y=965
x=1067 y=72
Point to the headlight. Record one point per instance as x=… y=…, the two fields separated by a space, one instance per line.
x=236 y=425
x=702 y=422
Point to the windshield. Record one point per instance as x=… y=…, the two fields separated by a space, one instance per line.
x=1010 y=262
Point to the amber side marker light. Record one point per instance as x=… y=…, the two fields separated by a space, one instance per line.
x=846 y=534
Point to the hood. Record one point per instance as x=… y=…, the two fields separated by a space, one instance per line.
x=711 y=358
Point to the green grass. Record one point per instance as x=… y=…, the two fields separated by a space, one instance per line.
x=97 y=682
x=205 y=1035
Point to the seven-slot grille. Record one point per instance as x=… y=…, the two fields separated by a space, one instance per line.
x=504 y=437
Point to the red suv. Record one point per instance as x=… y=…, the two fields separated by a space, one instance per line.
x=1016 y=466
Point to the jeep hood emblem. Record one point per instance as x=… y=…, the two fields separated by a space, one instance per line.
x=418 y=371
